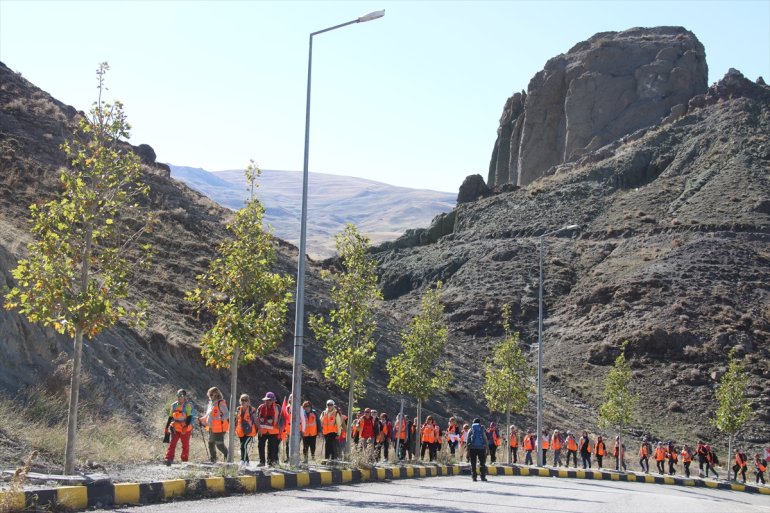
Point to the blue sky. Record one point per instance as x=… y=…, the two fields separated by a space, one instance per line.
x=411 y=99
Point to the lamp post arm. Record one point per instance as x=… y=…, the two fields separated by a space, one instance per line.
x=333 y=28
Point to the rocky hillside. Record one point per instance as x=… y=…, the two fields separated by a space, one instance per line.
x=672 y=254
x=600 y=90
x=381 y=211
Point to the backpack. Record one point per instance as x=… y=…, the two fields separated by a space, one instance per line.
x=476 y=437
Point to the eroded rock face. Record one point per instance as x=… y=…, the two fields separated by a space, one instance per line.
x=602 y=89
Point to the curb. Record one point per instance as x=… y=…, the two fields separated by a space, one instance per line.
x=518 y=470
x=106 y=495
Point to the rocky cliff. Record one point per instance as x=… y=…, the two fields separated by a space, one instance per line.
x=602 y=89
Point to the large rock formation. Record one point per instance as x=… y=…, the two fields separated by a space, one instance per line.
x=602 y=89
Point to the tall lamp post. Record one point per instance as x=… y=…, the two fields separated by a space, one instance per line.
x=539 y=432
x=299 y=317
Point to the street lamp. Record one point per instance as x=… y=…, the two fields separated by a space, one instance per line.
x=539 y=432
x=299 y=317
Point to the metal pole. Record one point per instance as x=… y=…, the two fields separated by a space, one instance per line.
x=540 y=361
x=299 y=316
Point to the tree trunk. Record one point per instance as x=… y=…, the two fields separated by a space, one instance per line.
x=418 y=426
x=233 y=401
x=348 y=428
x=729 y=455
x=620 y=448
x=508 y=430
x=72 y=416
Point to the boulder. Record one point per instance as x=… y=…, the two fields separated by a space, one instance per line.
x=609 y=86
x=472 y=188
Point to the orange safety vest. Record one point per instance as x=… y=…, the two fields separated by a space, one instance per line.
x=686 y=456
x=571 y=443
x=329 y=422
x=587 y=444
x=644 y=451
x=245 y=418
x=514 y=440
x=384 y=432
x=673 y=456
x=556 y=443
x=311 y=428
x=760 y=465
x=428 y=433
x=217 y=423
x=401 y=430
x=495 y=438
x=660 y=454
x=268 y=421
x=615 y=451
x=544 y=441
x=180 y=417
x=528 y=445
x=739 y=461
x=600 y=449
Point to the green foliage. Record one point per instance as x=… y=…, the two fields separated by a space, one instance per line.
x=415 y=371
x=248 y=301
x=508 y=375
x=734 y=409
x=76 y=273
x=619 y=403
x=348 y=334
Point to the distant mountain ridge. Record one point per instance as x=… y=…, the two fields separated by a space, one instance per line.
x=381 y=211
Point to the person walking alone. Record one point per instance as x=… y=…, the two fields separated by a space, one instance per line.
x=245 y=426
x=216 y=420
x=478 y=445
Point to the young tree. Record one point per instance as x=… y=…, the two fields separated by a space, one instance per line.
x=247 y=299
x=619 y=402
x=734 y=409
x=77 y=272
x=415 y=371
x=507 y=374
x=348 y=334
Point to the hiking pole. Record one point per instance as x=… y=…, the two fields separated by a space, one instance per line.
x=203 y=440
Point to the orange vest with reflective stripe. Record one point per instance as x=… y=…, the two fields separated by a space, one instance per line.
x=556 y=443
x=544 y=441
x=244 y=416
x=571 y=443
x=268 y=419
x=600 y=449
x=686 y=456
x=311 y=428
x=217 y=423
x=401 y=430
x=180 y=417
x=660 y=454
x=428 y=433
x=328 y=422
x=514 y=442
x=528 y=445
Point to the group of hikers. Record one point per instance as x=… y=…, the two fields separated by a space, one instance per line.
x=270 y=423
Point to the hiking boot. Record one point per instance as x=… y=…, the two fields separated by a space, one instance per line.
x=483 y=478
x=167 y=463
x=474 y=479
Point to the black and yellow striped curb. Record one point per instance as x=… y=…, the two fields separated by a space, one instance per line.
x=518 y=470
x=118 y=494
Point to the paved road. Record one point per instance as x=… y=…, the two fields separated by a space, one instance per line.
x=501 y=494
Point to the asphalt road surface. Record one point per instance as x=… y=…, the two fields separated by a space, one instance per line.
x=500 y=494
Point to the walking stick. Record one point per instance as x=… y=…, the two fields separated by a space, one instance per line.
x=203 y=440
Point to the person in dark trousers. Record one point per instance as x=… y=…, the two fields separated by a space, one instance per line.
x=686 y=459
x=644 y=455
x=600 y=450
x=217 y=423
x=310 y=423
x=245 y=426
x=529 y=445
x=493 y=439
x=741 y=462
x=673 y=458
x=760 y=466
x=584 y=446
x=571 y=444
x=269 y=415
x=711 y=460
x=331 y=425
x=477 y=447
x=513 y=443
x=385 y=436
x=700 y=451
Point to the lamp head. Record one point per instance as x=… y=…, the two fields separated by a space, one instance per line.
x=371 y=16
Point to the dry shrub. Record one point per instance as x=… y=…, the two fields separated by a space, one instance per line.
x=8 y=499
x=363 y=456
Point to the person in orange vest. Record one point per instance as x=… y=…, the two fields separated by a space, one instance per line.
x=660 y=458
x=711 y=460
x=760 y=465
x=179 y=426
x=513 y=443
x=600 y=449
x=673 y=458
x=268 y=429
x=331 y=425
x=557 y=442
x=367 y=429
x=217 y=423
x=741 y=462
x=544 y=445
x=528 y=444
x=686 y=459
x=701 y=452
x=584 y=446
x=493 y=438
x=310 y=427
x=572 y=448
x=428 y=438
x=245 y=426
x=619 y=453
x=385 y=436
x=453 y=435
x=645 y=449
x=401 y=436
